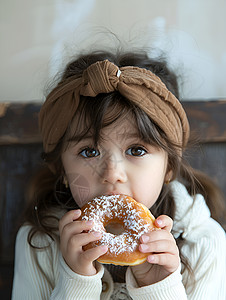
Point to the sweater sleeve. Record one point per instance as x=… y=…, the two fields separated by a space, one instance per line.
x=207 y=256
x=206 y=251
x=43 y=274
x=72 y=286
x=170 y=288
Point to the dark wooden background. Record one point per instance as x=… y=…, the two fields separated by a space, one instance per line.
x=20 y=148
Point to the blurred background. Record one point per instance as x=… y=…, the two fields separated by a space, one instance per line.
x=38 y=37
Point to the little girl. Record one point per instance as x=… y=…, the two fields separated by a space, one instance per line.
x=114 y=125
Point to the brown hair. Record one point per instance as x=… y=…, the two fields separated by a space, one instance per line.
x=47 y=194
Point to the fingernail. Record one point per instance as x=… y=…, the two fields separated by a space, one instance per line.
x=96 y=234
x=89 y=223
x=145 y=238
x=151 y=258
x=159 y=222
x=144 y=247
x=104 y=248
x=77 y=212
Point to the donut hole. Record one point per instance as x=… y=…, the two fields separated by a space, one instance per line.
x=114 y=228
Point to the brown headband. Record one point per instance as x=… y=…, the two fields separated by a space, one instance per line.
x=138 y=85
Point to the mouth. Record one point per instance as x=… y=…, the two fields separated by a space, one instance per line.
x=112 y=193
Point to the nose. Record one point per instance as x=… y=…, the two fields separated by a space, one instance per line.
x=113 y=170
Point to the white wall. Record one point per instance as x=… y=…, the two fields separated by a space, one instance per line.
x=38 y=37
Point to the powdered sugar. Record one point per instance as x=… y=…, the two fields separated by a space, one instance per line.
x=117 y=207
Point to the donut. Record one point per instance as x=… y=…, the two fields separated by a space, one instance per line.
x=119 y=211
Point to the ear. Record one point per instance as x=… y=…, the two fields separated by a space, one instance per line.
x=65 y=182
x=168 y=176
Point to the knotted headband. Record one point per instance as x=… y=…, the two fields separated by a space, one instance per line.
x=138 y=85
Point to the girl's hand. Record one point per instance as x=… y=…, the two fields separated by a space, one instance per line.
x=164 y=254
x=73 y=237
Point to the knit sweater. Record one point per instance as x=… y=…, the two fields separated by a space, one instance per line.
x=43 y=274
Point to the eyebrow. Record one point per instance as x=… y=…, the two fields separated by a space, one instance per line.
x=79 y=138
x=128 y=135
x=124 y=136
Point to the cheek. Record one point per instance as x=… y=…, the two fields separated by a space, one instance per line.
x=147 y=192
x=80 y=188
x=80 y=196
x=147 y=186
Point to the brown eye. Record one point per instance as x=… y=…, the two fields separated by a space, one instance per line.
x=89 y=153
x=136 y=151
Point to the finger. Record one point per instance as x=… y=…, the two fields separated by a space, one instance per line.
x=83 y=239
x=69 y=217
x=164 y=222
x=75 y=228
x=94 y=253
x=163 y=246
x=156 y=235
x=170 y=262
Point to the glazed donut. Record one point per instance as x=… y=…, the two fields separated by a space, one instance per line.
x=133 y=217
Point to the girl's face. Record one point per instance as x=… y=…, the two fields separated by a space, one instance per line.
x=122 y=163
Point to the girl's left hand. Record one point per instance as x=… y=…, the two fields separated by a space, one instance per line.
x=164 y=256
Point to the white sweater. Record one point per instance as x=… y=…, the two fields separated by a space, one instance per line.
x=43 y=274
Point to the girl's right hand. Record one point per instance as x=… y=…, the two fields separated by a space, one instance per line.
x=72 y=240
